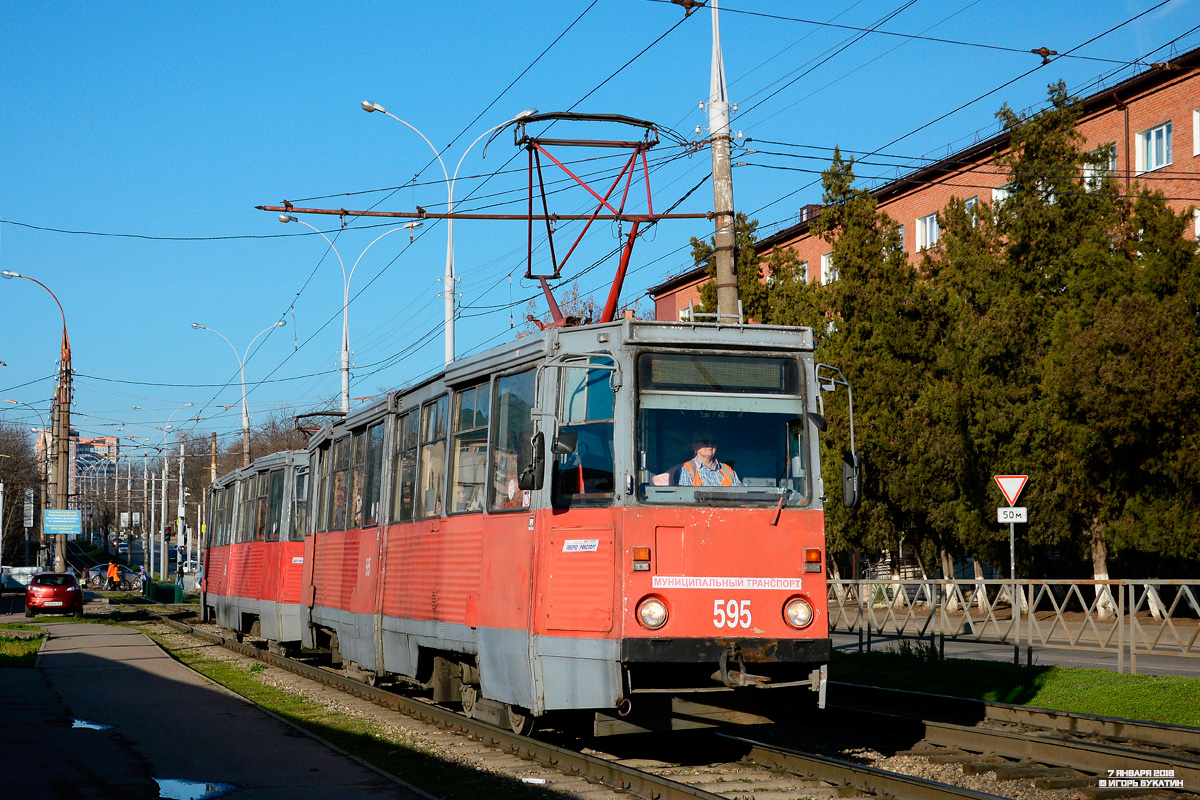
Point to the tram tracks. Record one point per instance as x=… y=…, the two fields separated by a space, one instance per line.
x=781 y=771
x=1055 y=749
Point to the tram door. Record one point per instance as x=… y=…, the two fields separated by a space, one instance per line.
x=502 y=620
x=576 y=595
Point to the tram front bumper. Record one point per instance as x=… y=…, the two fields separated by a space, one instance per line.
x=710 y=650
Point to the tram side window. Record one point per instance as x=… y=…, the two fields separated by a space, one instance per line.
x=248 y=512
x=358 y=480
x=339 y=476
x=512 y=431
x=227 y=515
x=470 y=448
x=263 y=489
x=321 y=488
x=299 y=508
x=432 y=483
x=586 y=400
x=374 y=474
x=275 y=506
x=212 y=532
x=405 y=467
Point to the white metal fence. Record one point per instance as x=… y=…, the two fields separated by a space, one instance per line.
x=1125 y=618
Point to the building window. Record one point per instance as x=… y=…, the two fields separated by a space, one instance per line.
x=1154 y=148
x=829 y=273
x=971 y=205
x=928 y=232
x=900 y=230
x=802 y=272
x=1000 y=194
x=1196 y=132
x=1100 y=167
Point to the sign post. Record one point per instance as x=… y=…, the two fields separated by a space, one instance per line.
x=1011 y=486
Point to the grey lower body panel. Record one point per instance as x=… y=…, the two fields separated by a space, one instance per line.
x=281 y=622
x=355 y=634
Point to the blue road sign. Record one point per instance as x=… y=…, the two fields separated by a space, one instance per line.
x=68 y=521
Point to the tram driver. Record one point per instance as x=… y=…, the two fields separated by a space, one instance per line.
x=703 y=469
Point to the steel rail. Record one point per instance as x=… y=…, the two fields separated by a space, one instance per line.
x=868 y=779
x=1140 y=731
x=1090 y=757
x=590 y=768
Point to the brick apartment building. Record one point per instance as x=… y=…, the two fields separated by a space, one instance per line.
x=1152 y=120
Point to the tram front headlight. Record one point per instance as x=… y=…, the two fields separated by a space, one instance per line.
x=652 y=613
x=798 y=613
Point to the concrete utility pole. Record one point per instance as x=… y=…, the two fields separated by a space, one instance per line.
x=162 y=531
x=179 y=509
x=212 y=465
x=147 y=527
x=718 y=126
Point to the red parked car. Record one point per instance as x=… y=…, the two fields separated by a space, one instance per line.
x=55 y=593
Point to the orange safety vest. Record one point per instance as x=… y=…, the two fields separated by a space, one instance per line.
x=694 y=474
x=113 y=571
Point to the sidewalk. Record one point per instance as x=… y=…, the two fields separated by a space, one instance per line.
x=167 y=723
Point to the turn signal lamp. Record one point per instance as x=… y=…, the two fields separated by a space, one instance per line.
x=812 y=560
x=641 y=559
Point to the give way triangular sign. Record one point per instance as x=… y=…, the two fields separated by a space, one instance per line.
x=1011 y=485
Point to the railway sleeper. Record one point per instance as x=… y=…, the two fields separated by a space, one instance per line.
x=981 y=765
x=1024 y=772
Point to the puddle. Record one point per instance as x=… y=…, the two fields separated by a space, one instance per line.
x=179 y=789
x=91 y=726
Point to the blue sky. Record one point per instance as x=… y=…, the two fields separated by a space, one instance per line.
x=161 y=126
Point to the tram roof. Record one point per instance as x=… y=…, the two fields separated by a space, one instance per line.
x=583 y=339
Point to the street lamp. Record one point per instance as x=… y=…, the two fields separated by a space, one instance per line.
x=448 y=288
x=241 y=357
x=62 y=423
x=286 y=218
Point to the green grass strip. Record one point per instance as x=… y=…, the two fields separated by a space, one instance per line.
x=1170 y=699
x=19 y=651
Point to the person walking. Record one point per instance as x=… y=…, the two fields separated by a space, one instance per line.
x=114 y=575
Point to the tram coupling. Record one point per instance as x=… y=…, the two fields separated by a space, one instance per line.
x=738 y=677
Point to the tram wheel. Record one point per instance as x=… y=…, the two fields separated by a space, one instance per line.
x=469 y=695
x=520 y=721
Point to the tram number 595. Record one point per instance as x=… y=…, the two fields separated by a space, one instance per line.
x=731 y=614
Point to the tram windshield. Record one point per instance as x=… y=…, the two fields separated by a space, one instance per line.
x=721 y=430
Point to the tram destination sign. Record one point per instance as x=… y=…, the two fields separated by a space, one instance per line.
x=1008 y=514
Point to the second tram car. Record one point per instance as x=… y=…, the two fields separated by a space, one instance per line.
x=254 y=559
x=530 y=531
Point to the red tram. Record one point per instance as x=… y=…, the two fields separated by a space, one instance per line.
x=538 y=529
x=254 y=558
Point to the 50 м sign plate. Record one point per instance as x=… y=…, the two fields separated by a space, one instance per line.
x=1012 y=514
